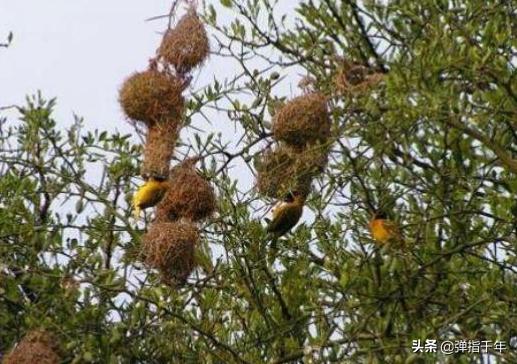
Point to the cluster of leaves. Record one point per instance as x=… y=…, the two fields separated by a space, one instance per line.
x=433 y=142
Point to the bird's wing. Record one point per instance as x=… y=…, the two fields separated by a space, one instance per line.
x=150 y=196
x=285 y=219
x=279 y=217
x=392 y=227
x=278 y=206
x=395 y=233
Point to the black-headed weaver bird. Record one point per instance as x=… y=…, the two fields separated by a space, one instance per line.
x=149 y=194
x=384 y=230
x=286 y=214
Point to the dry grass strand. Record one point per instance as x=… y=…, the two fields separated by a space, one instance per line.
x=159 y=148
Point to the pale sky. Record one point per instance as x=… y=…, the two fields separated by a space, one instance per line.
x=80 y=51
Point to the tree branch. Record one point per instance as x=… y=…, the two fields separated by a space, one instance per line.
x=505 y=158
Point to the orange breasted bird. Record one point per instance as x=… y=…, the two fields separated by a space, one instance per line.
x=286 y=215
x=149 y=194
x=384 y=230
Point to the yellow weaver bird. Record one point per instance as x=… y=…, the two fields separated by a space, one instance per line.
x=384 y=230
x=286 y=215
x=149 y=194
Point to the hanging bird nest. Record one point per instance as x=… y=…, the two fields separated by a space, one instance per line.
x=186 y=45
x=169 y=247
x=189 y=196
x=354 y=78
x=159 y=148
x=152 y=96
x=38 y=346
x=304 y=119
x=285 y=170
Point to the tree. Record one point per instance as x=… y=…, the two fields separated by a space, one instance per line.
x=423 y=100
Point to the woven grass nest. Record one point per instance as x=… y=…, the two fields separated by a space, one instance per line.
x=304 y=119
x=354 y=78
x=38 y=346
x=285 y=170
x=152 y=96
x=186 y=45
x=159 y=148
x=189 y=196
x=169 y=248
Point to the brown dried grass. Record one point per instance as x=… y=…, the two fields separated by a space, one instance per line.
x=152 y=96
x=169 y=247
x=285 y=170
x=38 y=346
x=159 y=148
x=304 y=119
x=185 y=46
x=189 y=196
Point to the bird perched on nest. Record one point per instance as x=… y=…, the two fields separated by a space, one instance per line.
x=384 y=230
x=149 y=194
x=286 y=215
